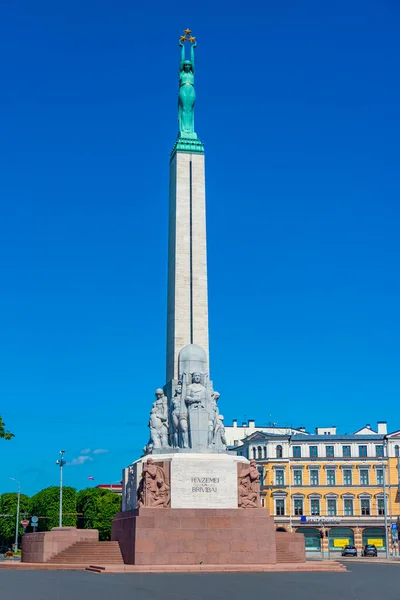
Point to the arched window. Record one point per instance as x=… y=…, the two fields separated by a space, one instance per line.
x=265 y=451
x=397 y=451
x=254 y=452
x=279 y=452
x=259 y=452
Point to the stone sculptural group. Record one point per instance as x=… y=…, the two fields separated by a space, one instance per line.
x=249 y=486
x=153 y=490
x=186 y=419
x=170 y=420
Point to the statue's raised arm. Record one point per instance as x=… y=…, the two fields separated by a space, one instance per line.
x=187 y=95
x=183 y=55
x=193 y=46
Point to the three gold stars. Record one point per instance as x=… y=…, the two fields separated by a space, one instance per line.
x=188 y=37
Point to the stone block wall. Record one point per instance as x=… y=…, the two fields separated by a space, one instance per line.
x=42 y=546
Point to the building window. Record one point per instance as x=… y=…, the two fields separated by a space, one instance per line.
x=348 y=507
x=379 y=477
x=364 y=477
x=381 y=506
x=379 y=450
x=297 y=477
x=346 y=451
x=298 y=507
x=261 y=471
x=365 y=506
x=279 y=507
x=279 y=477
x=362 y=451
x=265 y=451
x=314 y=477
x=330 y=451
x=332 y=507
x=330 y=477
x=254 y=452
x=279 y=452
x=347 y=477
x=313 y=451
x=315 y=506
x=296 y=451
x=259 y=449
x=397 y=451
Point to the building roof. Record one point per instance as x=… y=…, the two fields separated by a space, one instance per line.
x=333 y=438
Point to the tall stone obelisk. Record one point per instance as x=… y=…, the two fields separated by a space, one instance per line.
x=187 y=316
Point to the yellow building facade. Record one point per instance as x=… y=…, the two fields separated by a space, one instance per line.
x=334 y=489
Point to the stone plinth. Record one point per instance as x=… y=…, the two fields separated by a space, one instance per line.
x=196 y=480
x=42 y=546
x=149 y=536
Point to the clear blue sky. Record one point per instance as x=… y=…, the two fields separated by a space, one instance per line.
x=298 y=107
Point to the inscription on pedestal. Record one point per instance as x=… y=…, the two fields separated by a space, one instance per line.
x=203 y=482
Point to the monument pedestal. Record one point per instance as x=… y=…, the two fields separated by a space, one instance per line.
x=188 y=508
x=192 y=536
x=196 y=480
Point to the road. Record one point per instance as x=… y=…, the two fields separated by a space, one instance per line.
x=362 y=582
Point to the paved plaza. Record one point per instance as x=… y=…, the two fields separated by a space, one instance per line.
x=361 y=582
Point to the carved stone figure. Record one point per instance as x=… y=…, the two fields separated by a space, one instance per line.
x=158 y=422
x=153 y=490
x=219 y=433
x=130 y=490
x=213 y=418
x=175 y=414
x=249 y=486
x=196 y=393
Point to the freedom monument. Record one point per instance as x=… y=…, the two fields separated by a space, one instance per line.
x=187 y=500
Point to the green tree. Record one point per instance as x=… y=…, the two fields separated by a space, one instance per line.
x=8 y=512
x=97 y=508
x=46 y=505
x=4 y=434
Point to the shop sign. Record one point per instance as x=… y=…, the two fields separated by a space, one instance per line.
x=321 y=520
x=378 y=542
x=340 y=542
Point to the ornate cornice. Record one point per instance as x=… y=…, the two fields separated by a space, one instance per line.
x=189 y=145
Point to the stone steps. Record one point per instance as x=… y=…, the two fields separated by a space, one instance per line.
x=87 y=553
x=285 y=556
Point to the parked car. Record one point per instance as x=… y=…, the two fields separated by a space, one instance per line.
x=349 y=551
x=370 y=550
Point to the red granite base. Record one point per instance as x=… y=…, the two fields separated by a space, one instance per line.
x=40 y=547
x=186 y=536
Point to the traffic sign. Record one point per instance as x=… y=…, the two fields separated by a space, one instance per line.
x=24 y=523
x=34 y=520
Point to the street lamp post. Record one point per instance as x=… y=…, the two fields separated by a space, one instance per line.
x=385 y=498
x=61 y=462
x=17 y=519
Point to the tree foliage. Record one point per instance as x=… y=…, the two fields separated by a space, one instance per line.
x=46 y=505
x=98 y=507
x=8 y=506
x=92 y=508
x=4 y=434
